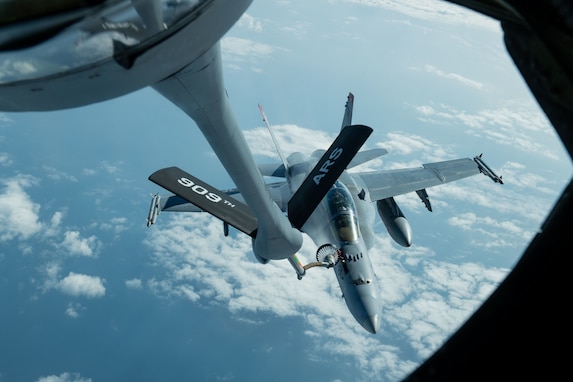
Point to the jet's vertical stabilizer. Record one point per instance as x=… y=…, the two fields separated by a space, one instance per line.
x=347 y=119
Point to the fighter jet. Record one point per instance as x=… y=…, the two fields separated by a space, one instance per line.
x=323 y=198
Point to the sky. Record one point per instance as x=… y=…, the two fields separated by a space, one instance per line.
x=88 y=293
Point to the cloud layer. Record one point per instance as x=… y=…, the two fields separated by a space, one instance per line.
x=425 y=299
x=79 y=285
x=19 y=218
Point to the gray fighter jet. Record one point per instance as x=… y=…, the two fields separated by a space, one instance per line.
x=335 y=207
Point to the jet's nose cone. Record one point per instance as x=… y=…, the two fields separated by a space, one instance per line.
x=372 y=324
x=375 y=322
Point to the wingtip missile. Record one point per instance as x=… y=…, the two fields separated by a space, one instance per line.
x=484 y=169
x=154 y=210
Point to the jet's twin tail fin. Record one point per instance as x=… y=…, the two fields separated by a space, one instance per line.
x=347 y=119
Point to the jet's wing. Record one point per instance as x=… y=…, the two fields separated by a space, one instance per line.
x=385 y=184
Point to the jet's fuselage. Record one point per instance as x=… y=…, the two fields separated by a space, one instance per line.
x=337 y=221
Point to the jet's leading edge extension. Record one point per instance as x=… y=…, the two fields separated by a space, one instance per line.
x=333 y=206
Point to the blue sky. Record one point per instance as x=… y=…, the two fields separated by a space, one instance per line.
x=89 y=293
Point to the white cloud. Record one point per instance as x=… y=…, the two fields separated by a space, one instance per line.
x=5 y=159
x=19 y=217
x=351 y=20
x=105 y=166
x=508 y=199
x=298 y=29
x=56 y=174
x=74 y=309
x=116 y=225
x=51 y=273
x=133 y=284
x=435 y=11
x=492 y=232
x=10 y=69
x=56 y=219
x=51 y=270
x=399 y=143
x=522 y=127
x=5 y=120
x=423 y=307
x=78 y=285
x=454 y=76
x=64 y=377
x=240 y=47
x=52 y=229
x=77 y=246
x=249 y=22
x=237 y=51
x=109 y=167
x=291 y=138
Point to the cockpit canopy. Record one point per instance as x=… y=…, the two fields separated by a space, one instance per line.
x=342 y=213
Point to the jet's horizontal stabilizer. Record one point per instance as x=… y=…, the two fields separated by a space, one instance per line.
x=326 y=172
x=208 y=198
x=365 y=156
x=176 y=203
x=273 y=169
